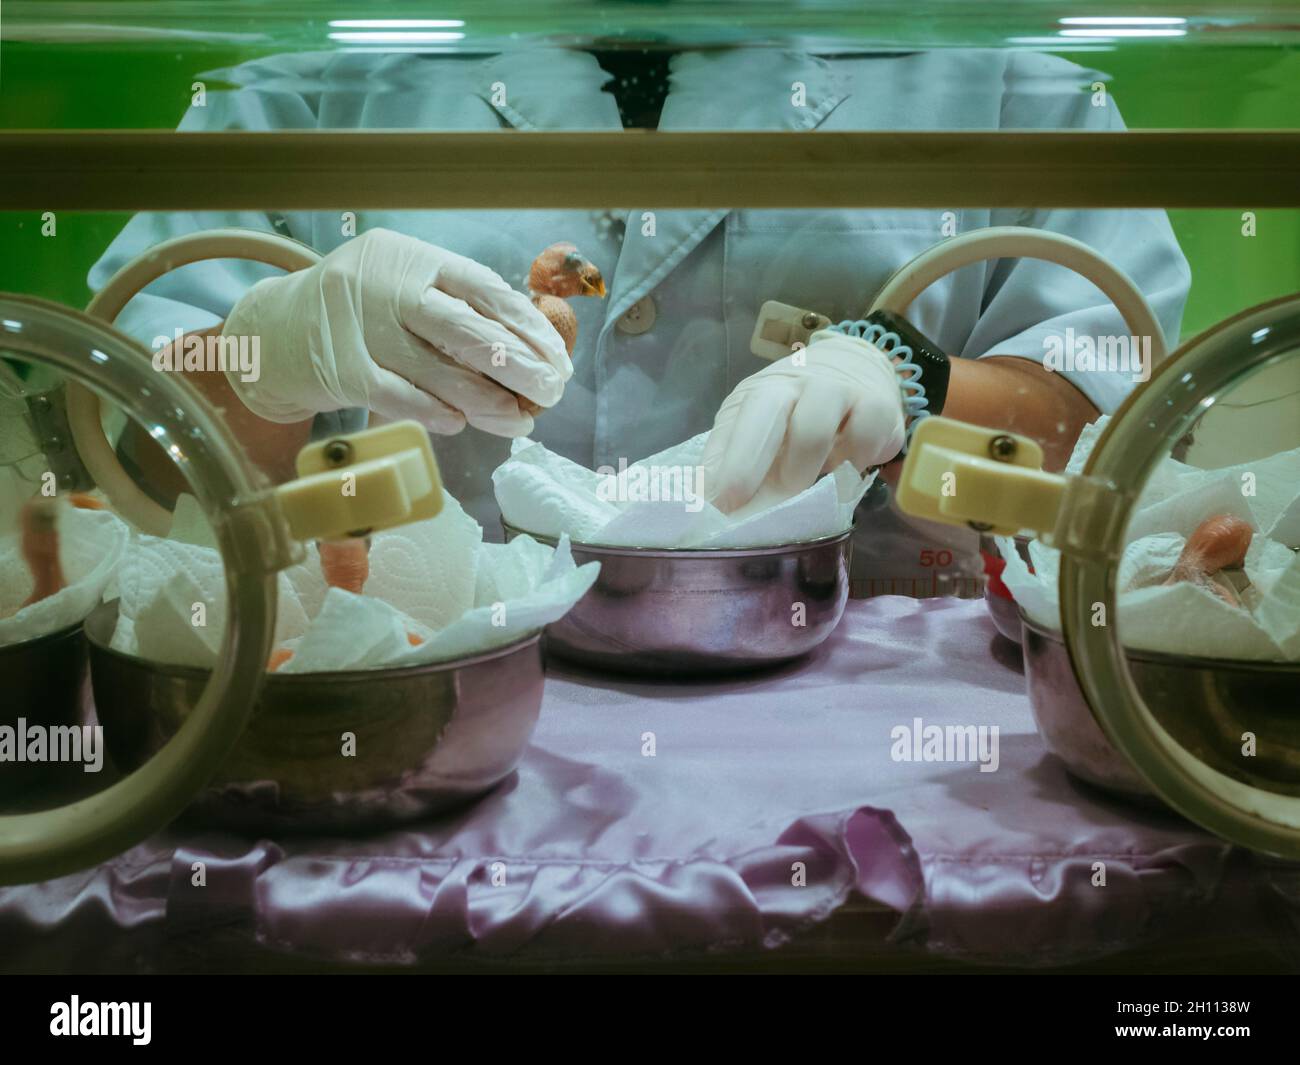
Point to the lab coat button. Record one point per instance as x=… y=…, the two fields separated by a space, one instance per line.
x=639 y=318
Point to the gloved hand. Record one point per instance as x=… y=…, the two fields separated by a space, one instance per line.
x=837 y=399
x=404 y=328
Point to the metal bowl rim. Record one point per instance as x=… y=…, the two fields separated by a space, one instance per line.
x=683 y=553
x=50 y=637
x=275 y=680
x=1165 y=658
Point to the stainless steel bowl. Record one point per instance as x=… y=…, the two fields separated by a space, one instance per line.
x=674 y=612
x=42 y=684
x=427 y=738
x=1004 y=612
x=1205 y=704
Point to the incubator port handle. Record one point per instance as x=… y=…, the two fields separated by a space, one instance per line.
x=780 y=327
x=1020 y=242
x=96 y=452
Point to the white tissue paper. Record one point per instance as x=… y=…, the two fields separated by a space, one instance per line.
x=1185 y=618
x=90 y=545
x=658 y=502
x=435 y=591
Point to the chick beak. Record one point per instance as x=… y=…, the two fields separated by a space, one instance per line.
x=593 y=284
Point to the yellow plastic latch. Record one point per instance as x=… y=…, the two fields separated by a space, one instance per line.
x=354 y=484
x=989 y=479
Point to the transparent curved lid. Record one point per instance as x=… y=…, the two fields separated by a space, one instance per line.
x=98 y=444
x=62 y=547
x=1167 y=557
x=1183 y=619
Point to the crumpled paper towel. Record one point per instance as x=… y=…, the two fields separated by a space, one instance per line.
x=172 y=597
x=435 y=591
x=1185 y=618
x=549 y=495
x=90 y=545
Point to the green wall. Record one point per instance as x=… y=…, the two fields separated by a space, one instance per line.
x=1224 y=88
x=1156 y=84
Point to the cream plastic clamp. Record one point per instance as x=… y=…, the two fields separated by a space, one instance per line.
x=990 y=480
x=353 y=485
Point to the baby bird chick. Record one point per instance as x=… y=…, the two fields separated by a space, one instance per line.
x=562 y=270
x=40 y=547
x=1218 y=543
x=345 y=563
x=559 y=272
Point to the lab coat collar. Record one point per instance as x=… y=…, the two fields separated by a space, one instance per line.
x=755 y=89
x=750 y=89
x=548 y=89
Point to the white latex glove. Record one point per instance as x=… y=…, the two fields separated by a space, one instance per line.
x=839 y=399
x=404 y=328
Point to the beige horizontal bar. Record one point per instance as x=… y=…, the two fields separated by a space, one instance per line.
x=166 y=170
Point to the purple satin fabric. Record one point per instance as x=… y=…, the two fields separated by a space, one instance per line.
x=597 y=849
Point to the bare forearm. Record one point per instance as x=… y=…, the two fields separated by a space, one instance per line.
x=1004 y=392
x=270 y=446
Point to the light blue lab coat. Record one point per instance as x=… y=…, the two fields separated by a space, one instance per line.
x=707 y=271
